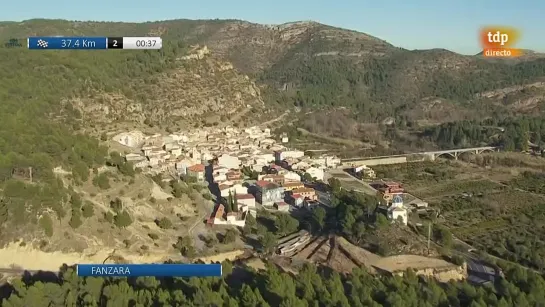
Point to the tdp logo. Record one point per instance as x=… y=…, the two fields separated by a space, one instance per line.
x=498 y=41
x=498 y=37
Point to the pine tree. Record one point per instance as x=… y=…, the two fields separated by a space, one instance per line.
x=234 y=205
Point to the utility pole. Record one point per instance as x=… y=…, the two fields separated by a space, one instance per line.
x=429 y=229
x=429 y=236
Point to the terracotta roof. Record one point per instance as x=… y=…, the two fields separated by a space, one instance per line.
x=281 y=203
x=262 y=183
x=297 y=196
x=272 y=176
x=196 y=168
x=245 y=196
x=303 y=190
x=293 y=184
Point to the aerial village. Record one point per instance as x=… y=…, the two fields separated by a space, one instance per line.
x=247 y=170
x=243 y=168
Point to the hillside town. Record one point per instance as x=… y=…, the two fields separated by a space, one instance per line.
x=247 y=169
x=241 y=167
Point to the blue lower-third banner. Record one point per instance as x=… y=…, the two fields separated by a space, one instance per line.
x=157 y=270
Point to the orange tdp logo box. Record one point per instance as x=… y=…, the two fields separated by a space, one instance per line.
x=498 y=41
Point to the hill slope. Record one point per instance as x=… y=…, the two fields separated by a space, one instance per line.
x=315 y=65
x=48 y=97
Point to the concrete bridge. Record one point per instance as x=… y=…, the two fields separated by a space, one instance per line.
x=456 y=152
x=416 y=157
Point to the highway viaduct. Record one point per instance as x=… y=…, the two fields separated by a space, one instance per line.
x=417 y=157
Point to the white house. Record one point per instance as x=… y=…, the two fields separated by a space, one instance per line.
x=176 y=151
x=397 y=211
x=239 y=189
x=132 y=157
x=228 y=161
x=206 y=156
x=332 y=161
x=269 y=157
x=296 y=200
x=220 y=177
x=153 y=161
x=130 y=139
x=300 y=165
x=291 y=176
x=142 y=164
x=315 y=172
x=220 y=170
x=246 y=200
x=281 y=155
x=231 y=218
x=257 y=167
x=225 y=190
x=182 y=165
x=282 y=206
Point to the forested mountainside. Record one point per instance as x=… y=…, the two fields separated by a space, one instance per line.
x=243 y=286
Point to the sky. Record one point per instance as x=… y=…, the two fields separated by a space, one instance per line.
x=413 y=24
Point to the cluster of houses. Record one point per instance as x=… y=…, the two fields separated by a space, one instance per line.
x=252 y=147
x=225 y=158
x=395 y=202
x=276 y=187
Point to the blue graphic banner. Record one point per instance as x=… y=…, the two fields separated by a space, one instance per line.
x=68 y=43
x=157 y=270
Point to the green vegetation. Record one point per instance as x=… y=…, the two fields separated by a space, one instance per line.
x=87 y=210
x=122 y=219
x=39 y=131
x=503 y=219
x=512 y=133
x=164 y=223
x=47 y=224
x=116 y=160
x=336 y=81
x=185 y=246
x=102 y=180
x=285 y=224
x=313 y=286
x=230 y=236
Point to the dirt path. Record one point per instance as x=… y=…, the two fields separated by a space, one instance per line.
x=275 y=119
x=223 y=256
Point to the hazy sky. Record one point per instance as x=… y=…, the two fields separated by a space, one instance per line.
x=413 y=24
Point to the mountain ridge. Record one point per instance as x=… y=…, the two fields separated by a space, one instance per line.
x=307 y=63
